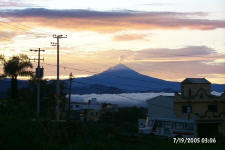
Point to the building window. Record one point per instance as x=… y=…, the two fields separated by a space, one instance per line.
x=179 y=125
x=189 y=92
x=77 y=106
x=182 y=90
x=92 y=113
x=201 y=96
x=187 y=109
x=212 y=108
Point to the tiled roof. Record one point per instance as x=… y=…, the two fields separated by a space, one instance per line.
x=196 y=80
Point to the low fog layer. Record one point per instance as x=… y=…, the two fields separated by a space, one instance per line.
x=125 y=99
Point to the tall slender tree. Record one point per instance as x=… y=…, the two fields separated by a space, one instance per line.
x=16 y=66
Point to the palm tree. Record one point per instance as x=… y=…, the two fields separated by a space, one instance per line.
x=16 y=66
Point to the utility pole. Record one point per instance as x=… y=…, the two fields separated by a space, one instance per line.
x=57 y=82
x=69 y=100
x=39 y=75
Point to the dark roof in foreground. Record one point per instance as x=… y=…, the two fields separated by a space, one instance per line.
x=196 y=80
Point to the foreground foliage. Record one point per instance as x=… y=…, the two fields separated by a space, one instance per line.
x=19 y=132
x=16 y=66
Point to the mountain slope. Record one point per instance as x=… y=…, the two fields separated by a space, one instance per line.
x=128 y=80
x=122 y=77
x=117 y=79
x=5 y=85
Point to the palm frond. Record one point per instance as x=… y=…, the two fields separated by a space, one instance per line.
x=23 y=57
x=17 y=65
x=24 y=65
x=10 y=67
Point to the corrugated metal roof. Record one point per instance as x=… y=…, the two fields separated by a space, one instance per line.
x=196 y=80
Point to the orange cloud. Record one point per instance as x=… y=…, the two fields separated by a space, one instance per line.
x=6 y=36
x=111 y=21
x=191 y=61
x=129 y=37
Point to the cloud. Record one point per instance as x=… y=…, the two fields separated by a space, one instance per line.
x=35 y=35
x=191 y=53
x=14 y=4
x=125 y=99
x=156 y=4
x=169 y=64
x=122 y=100
x=111 y=21
x=177 y=70
x=129 y=37
x=177 y=64
x=121 y=58
x=7 y=36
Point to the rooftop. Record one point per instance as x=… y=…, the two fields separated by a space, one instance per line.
x=161 y=107
x=196 y=80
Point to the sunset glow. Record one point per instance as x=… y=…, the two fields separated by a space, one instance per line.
x=167 y=39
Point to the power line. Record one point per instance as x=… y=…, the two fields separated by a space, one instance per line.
x=137 y=100
x=121 y=77
x=152 y=103
x=23 y=27
x=125 y=96
x=122 y=84
x=13 y=26
x=120 y=95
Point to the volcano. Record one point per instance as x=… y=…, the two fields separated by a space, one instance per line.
x=125 y=79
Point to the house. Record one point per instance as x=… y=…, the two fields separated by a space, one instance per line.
x=161 y=119
x=196 y=102
x=108 y=112
x=92 y=111
x=85 y=111
x=161 y=107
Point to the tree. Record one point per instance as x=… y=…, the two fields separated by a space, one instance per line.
x=16 y=66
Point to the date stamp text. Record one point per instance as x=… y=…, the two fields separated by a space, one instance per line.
x=194 y=140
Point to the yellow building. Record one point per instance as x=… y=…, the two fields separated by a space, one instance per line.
x=197 y=102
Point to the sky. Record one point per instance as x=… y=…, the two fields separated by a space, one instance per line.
x=167 y=39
